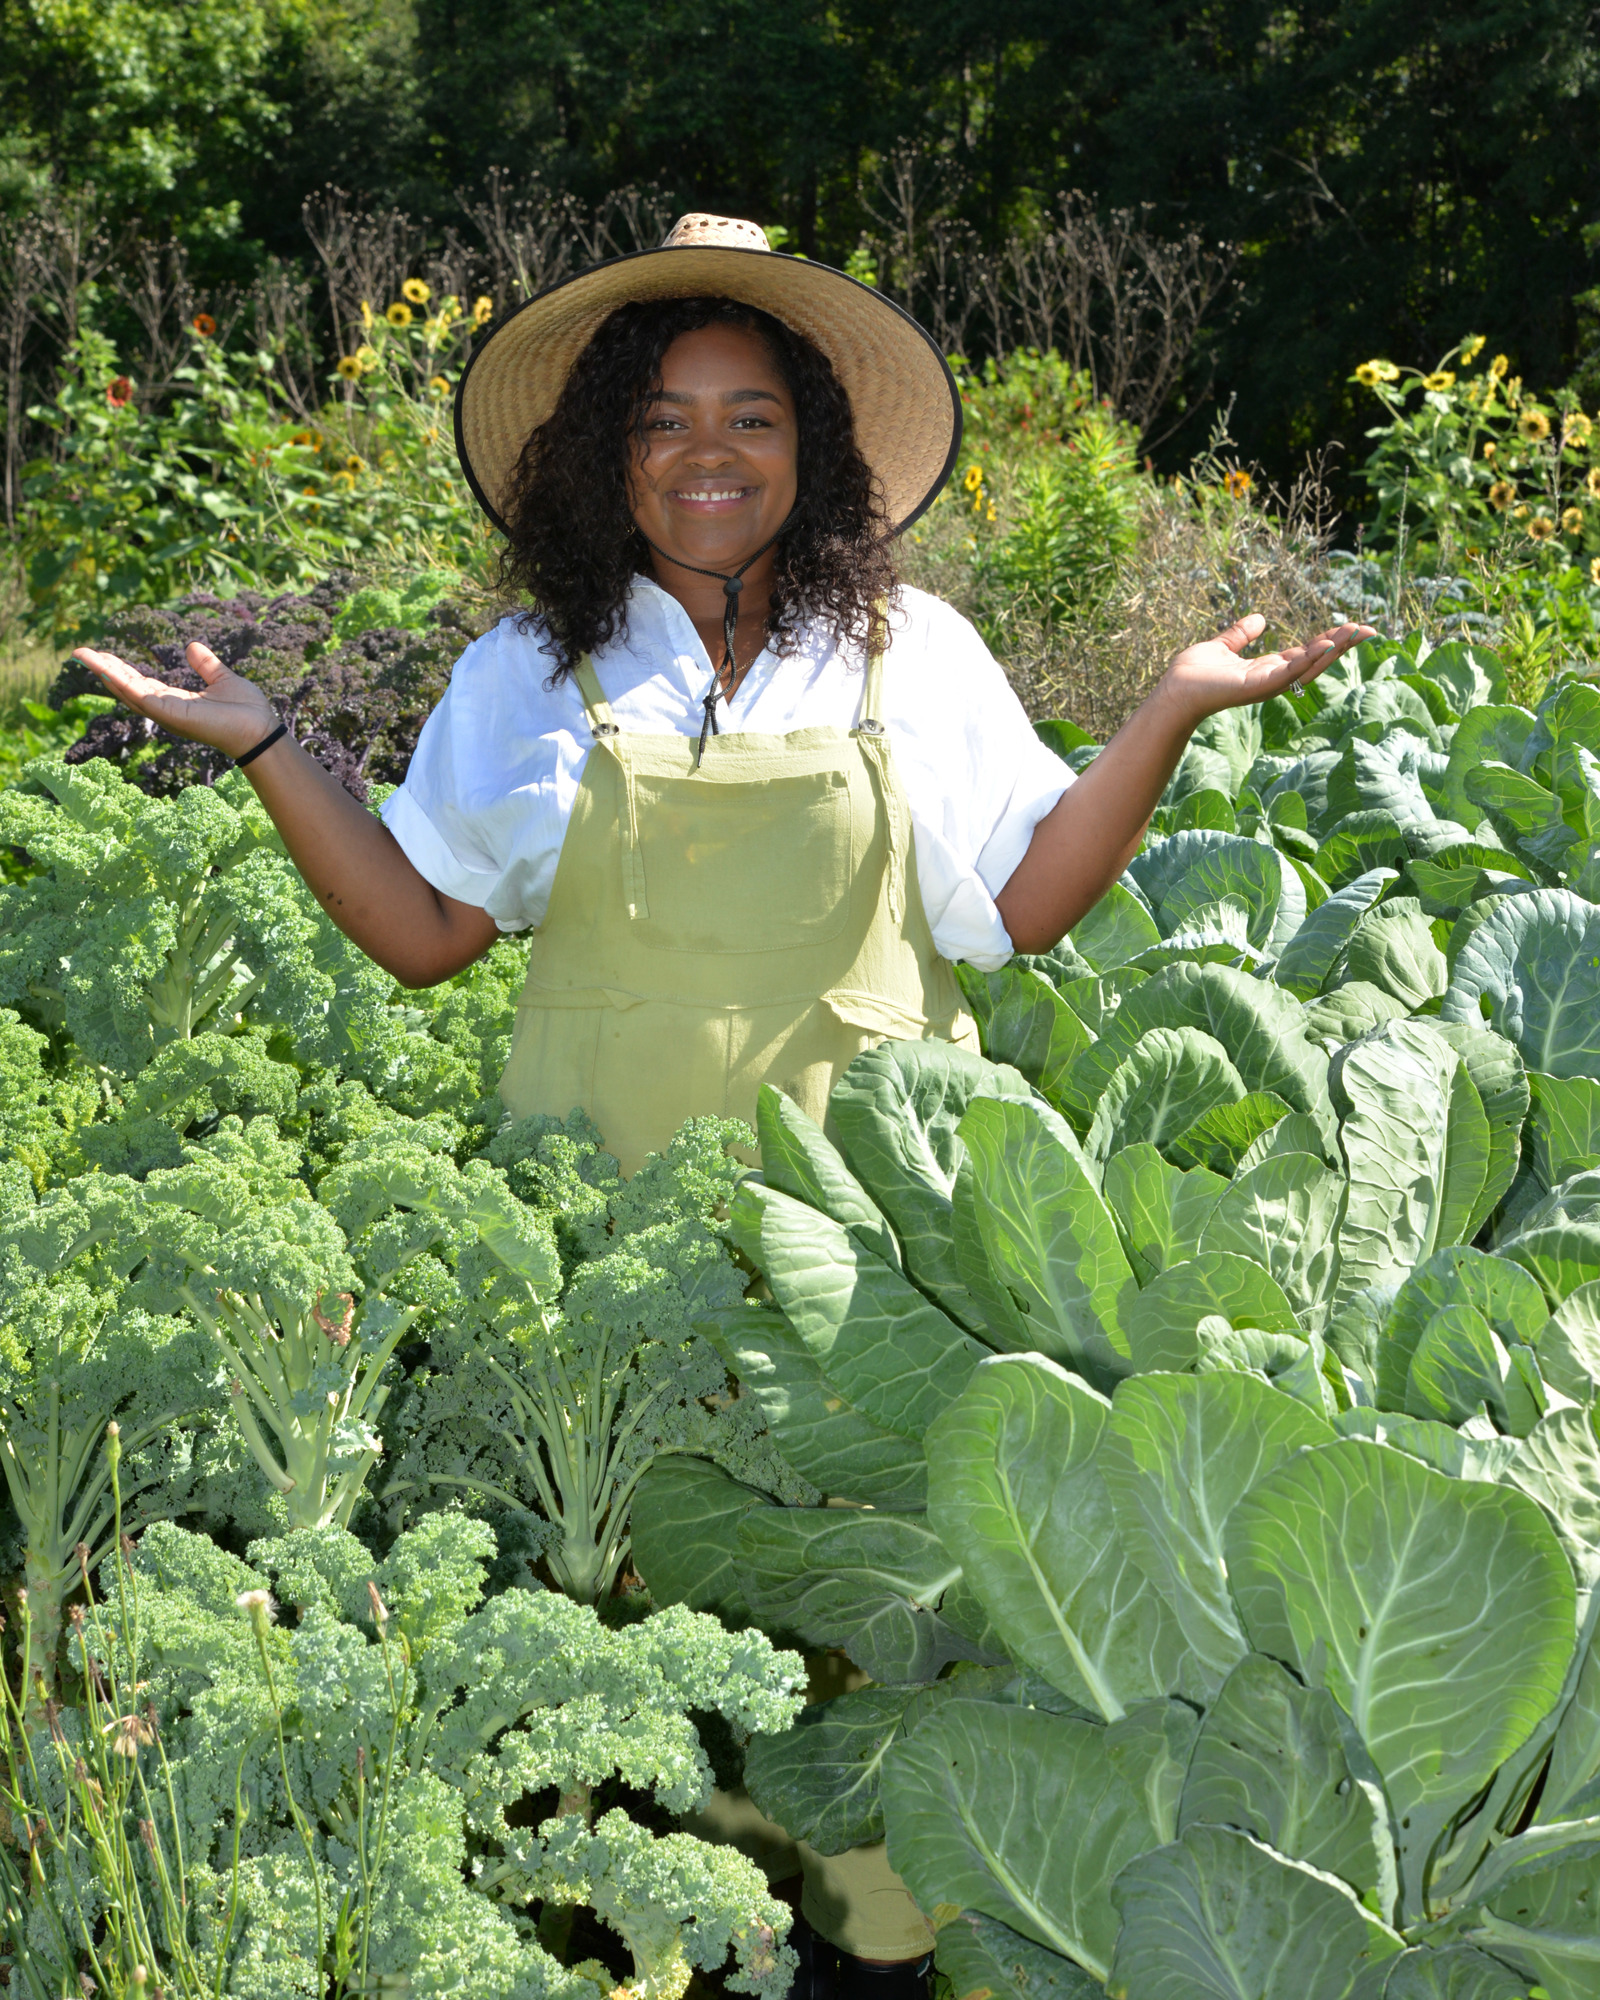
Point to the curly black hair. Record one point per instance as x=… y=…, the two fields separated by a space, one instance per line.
x=573 y=548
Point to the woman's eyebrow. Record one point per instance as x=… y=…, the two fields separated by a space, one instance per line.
x=730 y=396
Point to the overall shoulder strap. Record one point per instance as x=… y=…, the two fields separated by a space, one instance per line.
x=871 y=716
x=595 y=705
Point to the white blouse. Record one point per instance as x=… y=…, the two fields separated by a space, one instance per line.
x=484 y=808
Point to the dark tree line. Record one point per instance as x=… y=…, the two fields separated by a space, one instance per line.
x=1392 y=173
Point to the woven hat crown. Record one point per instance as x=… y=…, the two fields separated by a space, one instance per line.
x=726 y=232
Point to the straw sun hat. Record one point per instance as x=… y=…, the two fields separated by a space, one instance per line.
x=906 y=403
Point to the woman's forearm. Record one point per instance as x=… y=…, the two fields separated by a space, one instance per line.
x=360 y=875
x=1093 y=831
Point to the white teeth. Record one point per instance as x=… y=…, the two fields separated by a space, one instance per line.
x=737 y=493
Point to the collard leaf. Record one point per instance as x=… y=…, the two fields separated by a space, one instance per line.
x=685 y=1534
x=1507 y=1297
x=1309 y=956
x=1501 y=1081
x=1162 y=1322
x=1548 y=1925
x=1161 y=1211
x=1349 y=1012
x=1281 y=1214
x=1019 y=1816
x=1358 y=843
x=1572 y=1783
x=1392 y=948
x=1219 y=1138
x=1558 y=1237
x=1168 y=1080
x=866 y=1581
x=1525 y=814
x=1493 y=733
x=828 y=1442
x=1458 y=1972
x=1529 y=967
x=1116 y=930
x=1568 y=1345
x=1048 y=1236
x=982 y=1957
x=799 y=1160
x=1243 y=871
x=893 y=1355
x=1181 y=1452
x=1447 y=880
x=1217 y=1916
x=896 y=1110
x=1558 y=1465
x=1460 y=1365
x=1472 y=676
x=1353 y=1562
x=1416 y=1139
x=1564 y=1128
x=819 y=1780
x=1270 y=1760
x=1015 y=1493
x=1025 y=1023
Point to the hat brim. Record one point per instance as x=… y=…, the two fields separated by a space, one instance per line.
x=905 y=400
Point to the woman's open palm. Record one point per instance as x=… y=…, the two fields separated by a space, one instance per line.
x=1211 y=675
x=229 y=713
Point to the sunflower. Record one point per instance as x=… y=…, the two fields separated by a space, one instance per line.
x=973 y=478
x=482 y=310
x=366 y=316
x=1471 y=348
x=1367 y=375
x=1534 y=425
x=1521 y=511
x=310 y=492
x=440 y=385
x=343 y=480
x=1541 y=527
x=1237 y=484
x=1576 y=428
x=415 y=292
x=350 y=367
x=1387 y=371
x=352 y=465
x=1501 y=494
x=1592 y=482
x=1440 y=380
x=990 y=513
x=1594 y=570
x=368 y=358
x=1489 y=449
x=204 y=325
x=1572 y=521
x=398 y=314
x=119 y=392
x=1498 y=367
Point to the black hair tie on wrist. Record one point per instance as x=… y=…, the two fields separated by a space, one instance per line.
x=266 y=743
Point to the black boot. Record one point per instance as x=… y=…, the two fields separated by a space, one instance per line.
x=862 y=1979
x=819 y=1963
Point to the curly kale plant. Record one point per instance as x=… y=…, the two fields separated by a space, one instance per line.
x=269 y=1809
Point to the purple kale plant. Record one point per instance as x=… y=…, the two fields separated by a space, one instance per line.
x=357 y=705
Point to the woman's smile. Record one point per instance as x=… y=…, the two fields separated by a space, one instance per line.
x=711 y=500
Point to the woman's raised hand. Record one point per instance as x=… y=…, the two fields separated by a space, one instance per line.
x=1212 y=676
x=229 y=713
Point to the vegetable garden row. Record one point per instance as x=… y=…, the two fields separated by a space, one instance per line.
x=1202 y=1388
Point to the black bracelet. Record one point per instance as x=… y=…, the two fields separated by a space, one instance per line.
x=266 y=743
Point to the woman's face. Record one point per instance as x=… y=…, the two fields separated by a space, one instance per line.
x=716 y=476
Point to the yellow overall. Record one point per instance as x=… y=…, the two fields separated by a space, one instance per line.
x=753 y=919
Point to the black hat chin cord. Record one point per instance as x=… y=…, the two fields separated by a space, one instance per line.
x=731 y=587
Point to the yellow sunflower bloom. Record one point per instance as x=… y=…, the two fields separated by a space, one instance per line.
x=1367 y=375
x=343 y=480
x=1386 y=370
x=368 y=358
x=1592 y=482
x=1489 y=449
x=1521 y=513
x=1501 y=494
x=1576 y=428
x=1534 y=425
x=1594 y=569
x=482 y=310
x=1541 y=527
x=1440 y=380
x=1572 y=521
x=1471 y=348
x=974 y=478
x=366 y=316
x=1498 y=367
x=415 y=292
x=1238 y=483
x=350 y=367
x=440 y=385
x=352 y=465
x=990 y=515
x=398 y=314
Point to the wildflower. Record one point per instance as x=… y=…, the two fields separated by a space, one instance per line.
x=1472 y=347
x=398 y=314
x=344 y=481
x=366 y=316
x=119 y=392
x=133 y=1733
x=368 y=358
x=352 y=464
x=974 y=478
x=1592 y=482
x=991 y=513
x=1576 y=428
x=1367 y=375
x=350 y=367
x=482 y=310
x=440 y=385
x=415 y=292
x=1238 y=483
x=338 y=1331
x=1489 y=449
x=302 y=437
x=1387 y=371
x=258 y=1607
x=449 y=309
x=310 y=493
x=1541 y=527
x=1520 y=513
x=1501 y=494
x=1498 y=367
x=1572 y=521
x=1534 y=425
x=1440 y=380
x=1594 y=570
